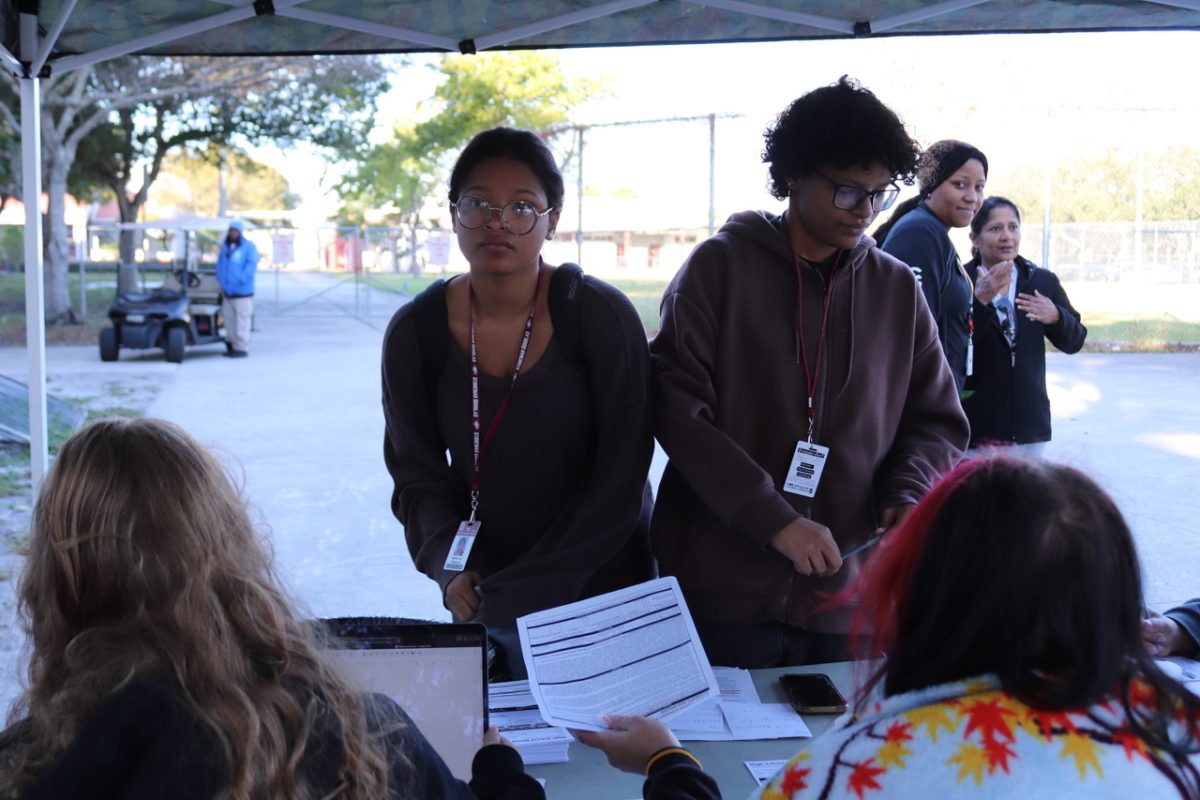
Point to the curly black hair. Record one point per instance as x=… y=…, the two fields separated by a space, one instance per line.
x=840 y=125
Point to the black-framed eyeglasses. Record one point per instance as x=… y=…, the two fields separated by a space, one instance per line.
x=849 y=198
x=518 y=217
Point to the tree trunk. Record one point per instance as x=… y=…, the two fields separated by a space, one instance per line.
x=58 y=298
x=222 y=188
x=414 y=266
x=127 y=268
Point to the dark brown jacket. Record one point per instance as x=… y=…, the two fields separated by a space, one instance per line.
x=564 y=501
x=730 y=407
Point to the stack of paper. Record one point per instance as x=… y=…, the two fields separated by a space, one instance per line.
x=737 y=713
x=511 y=708
x=630 y=652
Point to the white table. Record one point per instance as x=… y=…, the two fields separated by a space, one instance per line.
x=587 y=775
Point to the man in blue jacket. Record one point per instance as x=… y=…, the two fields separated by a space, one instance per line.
x=236 y=264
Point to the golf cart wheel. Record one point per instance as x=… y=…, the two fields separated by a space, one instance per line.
x=109 y=346
x=176 y=341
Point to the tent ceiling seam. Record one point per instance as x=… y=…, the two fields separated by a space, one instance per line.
x=778 y=15
x=243 y=12
x=937 y=10
x=370 y=28
x=557 y=23
x=1191 y=5
x=47 y=46
x=11 y=60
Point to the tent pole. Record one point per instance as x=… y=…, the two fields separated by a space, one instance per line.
x=35 y=294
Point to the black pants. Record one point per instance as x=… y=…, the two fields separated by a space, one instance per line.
x=762 y=645
x=508 y=664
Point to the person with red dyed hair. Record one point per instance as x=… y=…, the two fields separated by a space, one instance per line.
x=1015 y=663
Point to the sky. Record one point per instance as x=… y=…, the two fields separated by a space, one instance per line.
x=1021 y=98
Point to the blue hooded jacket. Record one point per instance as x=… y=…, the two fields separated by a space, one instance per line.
x=236 y=264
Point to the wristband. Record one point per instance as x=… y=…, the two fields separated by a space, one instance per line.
x=666 y=751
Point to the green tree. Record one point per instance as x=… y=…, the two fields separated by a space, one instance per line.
x=1102 y=186
x=153 y=104
x=521 y=89
x=190 y=183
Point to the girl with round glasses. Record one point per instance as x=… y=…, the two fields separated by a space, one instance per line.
x=951 y=176
x=800 y=394
x=518 y=430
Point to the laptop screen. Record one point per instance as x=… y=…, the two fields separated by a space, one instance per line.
x=437 y=673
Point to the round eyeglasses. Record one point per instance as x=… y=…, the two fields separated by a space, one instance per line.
x=518 y=217
x=849 y=198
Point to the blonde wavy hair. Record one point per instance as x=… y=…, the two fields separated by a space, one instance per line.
x=144 y=564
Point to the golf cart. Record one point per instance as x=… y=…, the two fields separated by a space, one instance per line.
x=184 y=311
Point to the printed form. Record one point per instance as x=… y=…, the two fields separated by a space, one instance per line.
x=634 y=651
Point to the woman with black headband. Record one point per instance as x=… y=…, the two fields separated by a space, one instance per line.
x=951 y=177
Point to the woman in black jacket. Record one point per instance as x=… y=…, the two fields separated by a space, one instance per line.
x=1006 y=399
x=951 y=175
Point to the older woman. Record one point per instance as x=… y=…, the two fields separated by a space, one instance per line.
x=1018 y=306
x=951 y=177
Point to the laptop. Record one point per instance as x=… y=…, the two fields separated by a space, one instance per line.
x=436 y=672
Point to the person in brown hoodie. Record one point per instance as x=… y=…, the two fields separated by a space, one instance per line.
x=801 y=393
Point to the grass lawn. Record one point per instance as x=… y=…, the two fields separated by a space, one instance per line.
x=1134 y=321
x=1140 y=332
x=1141 y=318
x=101 y=289
x=645 y=294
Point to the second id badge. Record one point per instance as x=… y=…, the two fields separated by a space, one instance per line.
x=804 y=474
x=460 y=549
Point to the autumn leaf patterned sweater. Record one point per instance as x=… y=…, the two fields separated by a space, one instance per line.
x=973 y=740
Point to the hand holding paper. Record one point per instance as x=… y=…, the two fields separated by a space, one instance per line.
x=630 y=741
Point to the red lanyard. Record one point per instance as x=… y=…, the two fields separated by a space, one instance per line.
x=482 y=447
x=812 y=376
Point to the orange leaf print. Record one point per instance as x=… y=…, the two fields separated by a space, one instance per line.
x=1047 y=721
x=899 y=732
x=997 y=754
x=863 y=777
x=1142 y=694
x=1132 y=743
x=794 y=780
x=990 y=718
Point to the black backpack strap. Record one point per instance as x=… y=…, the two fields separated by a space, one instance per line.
x=433 y=332
x=566 y=312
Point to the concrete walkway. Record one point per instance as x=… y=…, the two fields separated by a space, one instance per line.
x=300 y=420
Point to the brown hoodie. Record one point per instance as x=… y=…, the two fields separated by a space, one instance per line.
x=730 y=407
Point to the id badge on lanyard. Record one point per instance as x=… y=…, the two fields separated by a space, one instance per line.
x=468 y=529
x=804 y=474
x=808 y=462
x=460 y=550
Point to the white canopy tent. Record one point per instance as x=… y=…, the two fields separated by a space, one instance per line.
x=43 y=37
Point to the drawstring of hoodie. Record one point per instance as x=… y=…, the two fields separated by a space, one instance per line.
x=850 y=328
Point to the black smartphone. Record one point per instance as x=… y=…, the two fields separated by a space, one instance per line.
x=812 y=693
